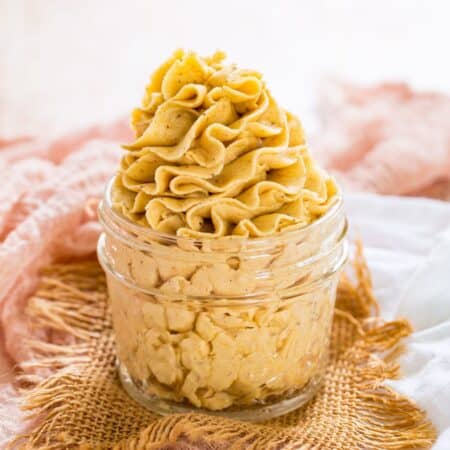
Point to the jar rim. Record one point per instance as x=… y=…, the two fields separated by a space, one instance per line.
x=251 y=242
x=261 y=296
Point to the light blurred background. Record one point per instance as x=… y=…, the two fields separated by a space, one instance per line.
x=69 y=63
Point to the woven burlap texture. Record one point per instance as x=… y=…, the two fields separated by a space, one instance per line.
x=82 y=404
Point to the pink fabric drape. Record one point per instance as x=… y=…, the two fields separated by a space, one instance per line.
x=386 y=138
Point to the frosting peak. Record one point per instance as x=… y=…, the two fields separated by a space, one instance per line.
x=215 y=155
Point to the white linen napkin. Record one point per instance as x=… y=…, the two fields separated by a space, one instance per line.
x=407 y=245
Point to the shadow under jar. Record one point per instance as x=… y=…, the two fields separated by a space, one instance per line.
x=232 y=326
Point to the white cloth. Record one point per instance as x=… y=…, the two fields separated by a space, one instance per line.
x=407 y=245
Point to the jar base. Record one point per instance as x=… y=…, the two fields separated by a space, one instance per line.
x=255 y=413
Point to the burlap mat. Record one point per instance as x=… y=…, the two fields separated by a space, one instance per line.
x=84 y=406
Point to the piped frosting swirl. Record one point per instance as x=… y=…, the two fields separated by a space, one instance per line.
x=215 y=155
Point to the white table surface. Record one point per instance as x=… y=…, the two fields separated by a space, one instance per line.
x=68 y=63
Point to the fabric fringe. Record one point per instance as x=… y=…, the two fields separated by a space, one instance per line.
x=71 y=300
x=50 y=378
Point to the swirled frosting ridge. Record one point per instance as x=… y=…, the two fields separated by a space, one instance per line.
x=215 y=155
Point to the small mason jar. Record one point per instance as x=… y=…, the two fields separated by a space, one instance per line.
x=232 y=326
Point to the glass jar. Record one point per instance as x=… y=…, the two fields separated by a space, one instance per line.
x=232 y=326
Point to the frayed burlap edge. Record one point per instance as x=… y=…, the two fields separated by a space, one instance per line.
x=71 y=300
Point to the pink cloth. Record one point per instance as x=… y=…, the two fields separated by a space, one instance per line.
x=45 y=213
x=385 y=139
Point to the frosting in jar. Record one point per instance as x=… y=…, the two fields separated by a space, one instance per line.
x=221 y=356
x=216 y=163
x=215 y=155
x=191 y=335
